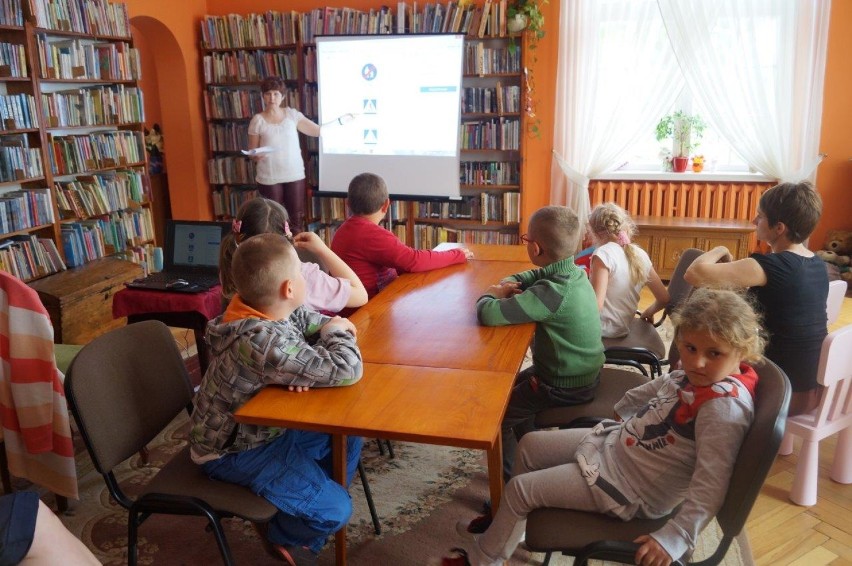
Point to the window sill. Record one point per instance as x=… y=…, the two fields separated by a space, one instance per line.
x=686 y=177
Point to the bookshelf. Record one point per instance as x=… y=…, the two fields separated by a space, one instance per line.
x=74 y=183
x=240 y=50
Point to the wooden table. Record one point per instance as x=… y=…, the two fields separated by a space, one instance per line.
x=429 y=319
x=431 y=373
x=491 y=252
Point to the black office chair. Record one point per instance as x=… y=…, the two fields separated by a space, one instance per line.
x=125 y=387
x=643 y=344
x=588 y=536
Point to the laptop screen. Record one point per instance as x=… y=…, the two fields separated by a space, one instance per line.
x=195 y=245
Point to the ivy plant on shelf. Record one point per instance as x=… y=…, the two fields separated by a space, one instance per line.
x=685 y=131
x=526 y=15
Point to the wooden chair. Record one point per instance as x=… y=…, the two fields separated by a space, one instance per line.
x=833 y=415
x=643 y=344
x=588 y=536
x=125 y=387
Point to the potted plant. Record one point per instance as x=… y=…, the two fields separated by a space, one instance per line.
x=526 y=14
x=685 y=130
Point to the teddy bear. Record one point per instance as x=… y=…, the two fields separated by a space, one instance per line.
x=837 y=250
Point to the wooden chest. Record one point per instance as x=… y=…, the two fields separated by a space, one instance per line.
x=79 y=300
x=665 y=238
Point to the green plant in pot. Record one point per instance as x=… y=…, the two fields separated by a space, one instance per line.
x=526 y=14
x=685 y=131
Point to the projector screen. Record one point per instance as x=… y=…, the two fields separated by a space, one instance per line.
x=404 y=93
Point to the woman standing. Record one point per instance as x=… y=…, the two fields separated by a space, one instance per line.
x=280 y=173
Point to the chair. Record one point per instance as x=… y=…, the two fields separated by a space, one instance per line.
x=592 y=535
x=833 y=304
x=833 y=415
x=613 y=384
x=643 y=344
x=125 y=387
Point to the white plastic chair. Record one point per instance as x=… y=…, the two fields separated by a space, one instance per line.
x=834 y=414
x=833 y=304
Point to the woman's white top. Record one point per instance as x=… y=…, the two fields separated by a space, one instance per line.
x=622 y=296
x=286 y=164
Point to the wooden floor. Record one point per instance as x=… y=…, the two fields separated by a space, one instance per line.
x=781 y=532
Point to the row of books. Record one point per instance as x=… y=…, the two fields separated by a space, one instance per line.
x=480 y=60
x=82 y=59
x=28 y=256
x=496 y=173
x=18 y=162
x=97 y=150
x=95 y=195
x=250 y=66
x=497 y=133
x=231 y=170
x=11 y=13
x=90 y=239
x=238 y=103
x=485 y=207
x=83 y=242
x=24 y=209
x=94 y=106
x=228 y=200
x=491 y=100
x=427 y=236
x=92 y=17
x=271 y=28
x=14 y=57
x=18 y=111
x=142 y=256
x=235 y=31
x=227 y=136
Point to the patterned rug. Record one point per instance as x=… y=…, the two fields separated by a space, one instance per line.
x=420 y=495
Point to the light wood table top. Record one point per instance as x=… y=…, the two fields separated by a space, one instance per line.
x=429 y=319
x=492 y=252
x=416 y=404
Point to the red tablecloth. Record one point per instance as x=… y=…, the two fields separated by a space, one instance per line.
x=137 y=301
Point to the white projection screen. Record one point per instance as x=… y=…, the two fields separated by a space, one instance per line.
x=404 y=93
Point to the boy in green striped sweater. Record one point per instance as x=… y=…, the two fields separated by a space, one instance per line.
x=567 y=350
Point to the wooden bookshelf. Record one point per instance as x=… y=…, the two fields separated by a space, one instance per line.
x=74 y=182
x=241 y=50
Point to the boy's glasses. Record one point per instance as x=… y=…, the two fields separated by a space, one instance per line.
x=525 y=239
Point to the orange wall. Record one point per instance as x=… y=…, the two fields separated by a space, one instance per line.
x=186 y=136
x=834 y=176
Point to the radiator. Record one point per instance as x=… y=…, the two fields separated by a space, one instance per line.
x=736 y=201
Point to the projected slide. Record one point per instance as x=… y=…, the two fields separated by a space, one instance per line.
x=404 y=92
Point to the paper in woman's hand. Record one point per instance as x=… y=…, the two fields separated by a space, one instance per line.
x=260 y=150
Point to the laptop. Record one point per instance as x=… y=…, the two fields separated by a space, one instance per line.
x=190 y=258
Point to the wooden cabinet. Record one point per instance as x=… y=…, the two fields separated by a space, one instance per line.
x=665 y=238
x=79 y=300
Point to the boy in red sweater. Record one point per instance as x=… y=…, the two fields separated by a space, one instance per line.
x=375 y=254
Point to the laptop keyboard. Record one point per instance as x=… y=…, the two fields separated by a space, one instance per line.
x=194 y=278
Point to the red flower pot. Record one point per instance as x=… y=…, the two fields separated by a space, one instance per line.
x=679 y=164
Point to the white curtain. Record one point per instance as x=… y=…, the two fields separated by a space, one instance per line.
x=604 y=100
x=757 y=68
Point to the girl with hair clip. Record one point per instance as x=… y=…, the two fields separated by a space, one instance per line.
x=330 y=292
x=673 y=445
x=619 y=270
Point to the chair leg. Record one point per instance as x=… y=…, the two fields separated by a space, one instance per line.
x=224 y=549
x=841 y=469
x=377 y=526
x=390 y=449
x=786 y=447
x=381 y=447
x=132 y=530
x=804 y=490
x=546 y=560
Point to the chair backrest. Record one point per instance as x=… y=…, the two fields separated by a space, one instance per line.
x=836 y=292
x=678 y=288
x=124 y=387
x=759 y=447
x=835 y=373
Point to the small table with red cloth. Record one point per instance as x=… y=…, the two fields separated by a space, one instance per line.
x=182 y=310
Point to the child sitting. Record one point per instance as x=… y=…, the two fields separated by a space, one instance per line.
x=261 y=339
x=328 y=292
x=647 y=465
x=567 y=352
x=619 y=270
x=374 y=253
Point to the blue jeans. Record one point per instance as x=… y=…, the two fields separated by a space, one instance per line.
x=293 y=472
